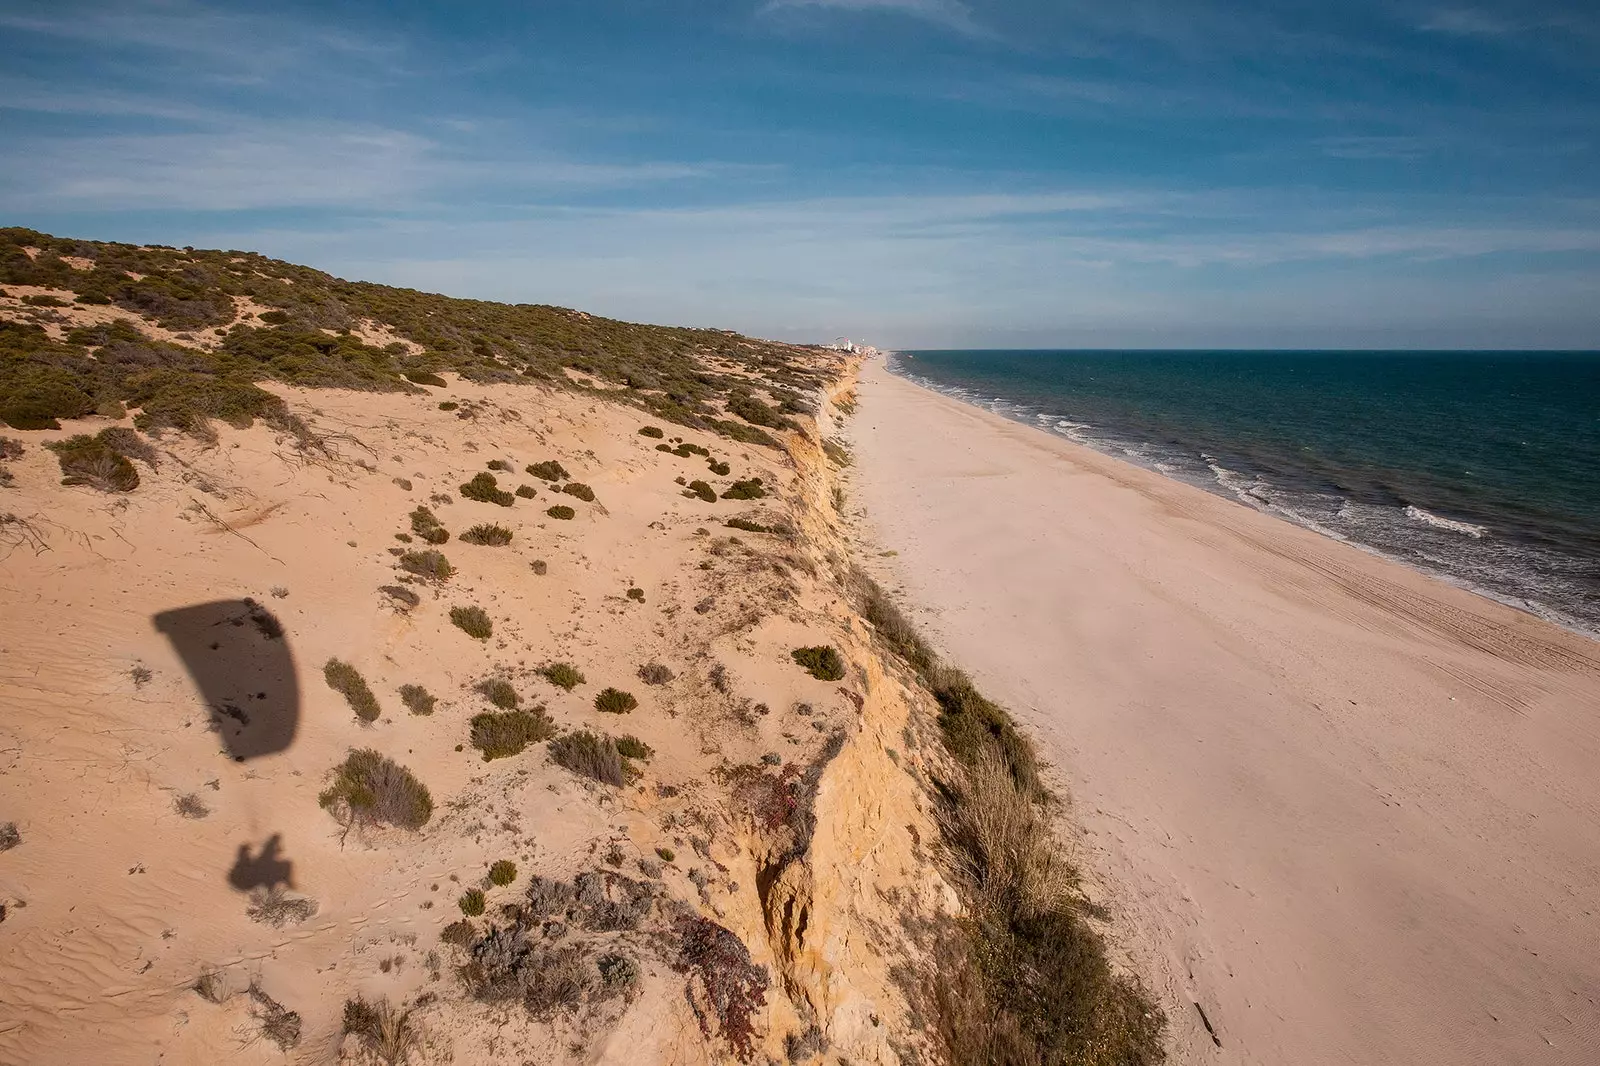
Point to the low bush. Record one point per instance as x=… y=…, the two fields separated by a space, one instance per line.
x=274 y=906
x=651 y=431
x=666 y=854
x=562 y=511
x=589 y=755
x=720 y=469
x=493 y=536
x=502 y=873
x=631 y=747
x=655 y=674
x=417 y=377
x=96 y=462
x=580 y=490
x=663 y=447
x=837 y=452
x=684 y=450
x=498 y=464
x=190 y=805
x=549 y=470
x=471 y=902
x=346 y=680
x=745 y=490
x=527 y=492
x=473 y=621
x=417 y=699
x=425 y=524
x=822 y=662
x=702 y=490
x=448 y=405
x=539 y=567
x=370 y=789
x=502 y=734
x=615 y=701
x=498 y=691
x=563 y=675
x=636 y=594
x=748 y=526
x=429 y=564
x=485 y=489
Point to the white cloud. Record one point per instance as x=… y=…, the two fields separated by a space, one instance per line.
x=951 y=14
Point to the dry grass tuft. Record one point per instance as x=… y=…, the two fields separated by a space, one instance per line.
x=589 y=755
x=346 y=680
x=384 y=1032
x=370 y=789
x=276 y=907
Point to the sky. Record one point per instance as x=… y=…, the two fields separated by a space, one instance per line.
x=907 y=173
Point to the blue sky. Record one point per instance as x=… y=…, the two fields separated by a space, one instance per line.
x=916 y=173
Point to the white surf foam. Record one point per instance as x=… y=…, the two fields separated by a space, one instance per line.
x=1428 y=518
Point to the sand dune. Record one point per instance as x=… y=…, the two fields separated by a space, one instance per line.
x=1348 y=813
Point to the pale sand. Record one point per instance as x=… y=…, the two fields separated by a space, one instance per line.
x=1348 y=810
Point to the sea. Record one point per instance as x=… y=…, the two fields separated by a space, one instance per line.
x=1481 y=468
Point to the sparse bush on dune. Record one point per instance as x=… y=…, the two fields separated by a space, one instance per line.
x=655 y=674
x=371 y=789
x=473 y=621
x=589 y=755
x=503 y=872
x=93 y=461
x=651 y=431
x=472 y=902
x=347 y=681
x=549 y=470
x=386 y=1034
x=822 y=662
x=502 y=734
x=580 y=490
x=751 y=489
x=491 y=535
x=615 y=701
x=498 y=464
x=562 y=511
x=417 y=377
x=485 y=489
x=748 y=526
x=527 y=492
x=498 y=691
x=563 y=675
x=701 y=490
x=631 y=747
x=417 y=699
x=429 y=564
x=720 y=469
x=425 y=524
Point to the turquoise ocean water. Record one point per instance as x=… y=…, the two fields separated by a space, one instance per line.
x=1480 y=467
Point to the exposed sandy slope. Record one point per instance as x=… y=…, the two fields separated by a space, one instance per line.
x=115 y=902
x=1351 y=812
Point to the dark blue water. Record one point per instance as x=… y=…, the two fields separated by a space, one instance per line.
x=1480 y=467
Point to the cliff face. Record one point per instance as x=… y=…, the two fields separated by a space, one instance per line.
x=284 y=781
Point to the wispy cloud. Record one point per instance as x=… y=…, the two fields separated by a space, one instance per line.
x=1467 y=22
x=950 y=14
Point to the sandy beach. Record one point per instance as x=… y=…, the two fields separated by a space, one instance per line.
x=1348 y=812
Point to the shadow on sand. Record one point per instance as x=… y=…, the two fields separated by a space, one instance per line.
x=267 y=870
x=237 y=655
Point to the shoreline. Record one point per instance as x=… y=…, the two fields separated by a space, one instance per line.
x=1341 y=807
x=1220 y=488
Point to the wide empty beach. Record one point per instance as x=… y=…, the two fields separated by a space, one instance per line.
x=1349 y=812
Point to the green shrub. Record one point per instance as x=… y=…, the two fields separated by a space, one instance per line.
x=344 y=678
x=471 y=902
x=503 y=872
x=425 y=524
x=485 y=489
x=755 y=412
x=666 y=854
x=418 y=377
x=448 y=405
x=615 y=701
x=663 y=447
x=631 y=747
x=498 y=691
x=472 y=621
x=636 y=595
x=580 y=490
x=684 y=450
x=549 y=470
x=748 y=526
x=720 y=469
x=92 y=461
x=563 y=675
x=417 y=699
x=590 y=755
x=498 y=464
x=837 y=452
x=429 y=564
x=651 y=431
x=494 y=536
x=702 y=490
x=459 y=933
x=527 y=492
x=501 y=734
x=562 y=511
x=822 y=662
x=369 y=789
x=745 y=490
